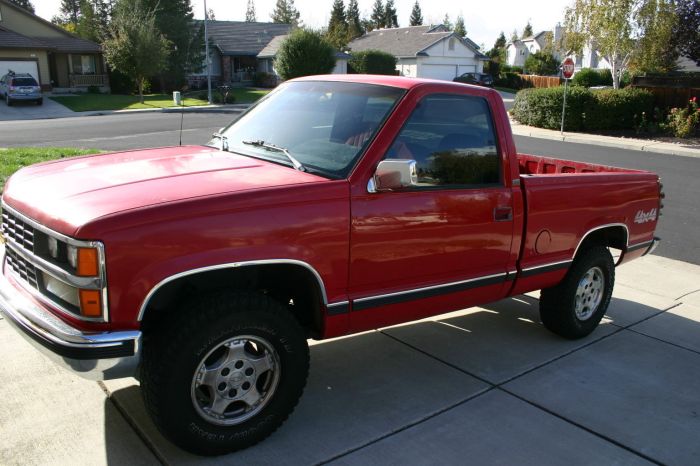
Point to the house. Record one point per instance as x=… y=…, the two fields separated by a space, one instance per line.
x=234 y=49
x=267 y=55
x=424 y=51
x=58 y=60
x=517 y=51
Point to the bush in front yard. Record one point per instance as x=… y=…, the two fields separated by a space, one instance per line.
x=588 y=77
x=586 y=110
x=373 y=62
x=542 y=107
x=303 y=53
x=510 y=80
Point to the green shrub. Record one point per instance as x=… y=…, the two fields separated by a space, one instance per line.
x=542 y=64
x=586 y=110
x=303 y=53
x=373 y=62
x=618 y=108
x=605 y=78
x=516 y=69
x=586 y=78
x=684 y=122
x=262 y=79
x=511 y=80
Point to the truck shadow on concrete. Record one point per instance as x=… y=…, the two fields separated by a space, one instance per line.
x=368 y=387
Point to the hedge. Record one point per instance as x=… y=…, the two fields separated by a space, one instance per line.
x=588 y=77
x=372 y=62
x=586 y=110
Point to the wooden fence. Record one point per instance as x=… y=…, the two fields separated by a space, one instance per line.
x=541 y=81
x=670 y=91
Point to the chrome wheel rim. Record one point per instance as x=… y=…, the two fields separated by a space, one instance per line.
x=235 y=380
x=589 y=293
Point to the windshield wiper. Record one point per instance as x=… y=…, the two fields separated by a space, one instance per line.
x=224 y=140
x=266 y=145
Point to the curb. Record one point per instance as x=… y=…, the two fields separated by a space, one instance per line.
x=238 y=108
x=656 y=147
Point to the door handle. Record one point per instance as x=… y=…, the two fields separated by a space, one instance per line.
x=503 y=214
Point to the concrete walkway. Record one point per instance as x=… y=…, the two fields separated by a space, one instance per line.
x=487 y=385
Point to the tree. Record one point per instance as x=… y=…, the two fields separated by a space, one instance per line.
x=211 y=15
x=285 y=13
x=416 y=18
x=541 y=63
x=460 y=29
x=500 y=41
x=616 y=28
x=655 y=51
x=26 y=4
x=303 y=53
x=175 y=20
x=134 y=45
x=250 y=12
x=514 y=35
x=527 y=32
x=378 y=18
x=88 y=25
x=337 y=32
x=686 y=33
x=447 y=23
x=352 y=15
x=373 y=62
x=390 y=17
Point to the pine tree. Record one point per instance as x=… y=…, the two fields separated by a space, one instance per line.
x=447 y=23
x=250 y=12
x=527 y=32
x=514 y=35
x=378 y=17
x=285 y=13
x=500 y=42
x=416 y=15
x=70 y=10
x=460 y=29
x=337 y=32
x=26 y=4
x=352 y=15
x=390 y=18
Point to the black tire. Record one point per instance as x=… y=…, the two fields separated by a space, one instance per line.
x=174 y=353
x=7 y=100
x=558 y=304
x=40 y=101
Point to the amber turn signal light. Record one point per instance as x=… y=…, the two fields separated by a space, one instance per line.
x=87 y=262
x=90 y=303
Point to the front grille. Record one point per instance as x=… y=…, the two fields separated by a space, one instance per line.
x=22 y=267
x=20 y=232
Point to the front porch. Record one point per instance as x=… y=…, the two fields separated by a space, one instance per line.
x=78 y=72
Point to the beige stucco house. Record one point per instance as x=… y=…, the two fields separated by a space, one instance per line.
x=57 y=59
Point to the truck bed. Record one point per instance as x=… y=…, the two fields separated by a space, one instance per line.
x=538 y=165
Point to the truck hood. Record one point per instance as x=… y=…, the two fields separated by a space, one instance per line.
x=65 y=195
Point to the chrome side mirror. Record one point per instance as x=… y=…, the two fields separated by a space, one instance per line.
x=392 y=175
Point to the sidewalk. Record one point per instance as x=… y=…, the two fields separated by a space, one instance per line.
x=487 y=385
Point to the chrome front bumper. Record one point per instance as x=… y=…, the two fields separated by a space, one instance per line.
x=95 y=356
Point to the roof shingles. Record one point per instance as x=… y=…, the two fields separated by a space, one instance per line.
x=243 y=38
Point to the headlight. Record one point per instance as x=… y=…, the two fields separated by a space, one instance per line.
x=53 y=247
x=72 y=255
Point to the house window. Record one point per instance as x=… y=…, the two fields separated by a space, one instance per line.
x=451 y=44
x=83 y=64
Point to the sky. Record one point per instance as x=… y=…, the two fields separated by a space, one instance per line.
x=484 y=20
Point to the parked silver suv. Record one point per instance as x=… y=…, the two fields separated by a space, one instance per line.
x=20 y=86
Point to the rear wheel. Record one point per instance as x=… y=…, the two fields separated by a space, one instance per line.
x=40 y=101
x=7 y=100
x=224 y=373
x=574 y=308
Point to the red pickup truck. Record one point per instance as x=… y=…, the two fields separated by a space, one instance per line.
x=333 y=206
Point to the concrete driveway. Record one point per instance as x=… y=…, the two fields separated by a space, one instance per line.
x=483 y=386
x=32 y=111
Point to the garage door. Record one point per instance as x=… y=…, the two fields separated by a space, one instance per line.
x=444 y=72
x=19 y=66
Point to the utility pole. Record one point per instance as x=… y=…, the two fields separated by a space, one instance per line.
x=206 y=51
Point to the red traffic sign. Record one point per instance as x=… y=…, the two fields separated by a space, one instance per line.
x=567 y=68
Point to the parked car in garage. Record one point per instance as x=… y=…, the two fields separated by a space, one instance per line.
x=479 y=79
x=15 y=87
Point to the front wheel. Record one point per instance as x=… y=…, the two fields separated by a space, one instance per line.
x=225 y=372
x=574 y=308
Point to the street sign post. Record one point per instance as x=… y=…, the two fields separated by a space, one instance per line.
x=567 y=70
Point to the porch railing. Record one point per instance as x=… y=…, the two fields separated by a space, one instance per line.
x=85 y=80
x=241 y=76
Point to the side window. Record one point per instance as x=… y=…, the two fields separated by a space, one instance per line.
x=452 y=140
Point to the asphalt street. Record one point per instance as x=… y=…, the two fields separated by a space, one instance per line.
x=678 y=228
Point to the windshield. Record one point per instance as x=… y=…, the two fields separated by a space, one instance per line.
x=324 y=126
x=24 y=82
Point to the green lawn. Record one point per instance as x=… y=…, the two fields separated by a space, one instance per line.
x=12 y=159
x=96 y=102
